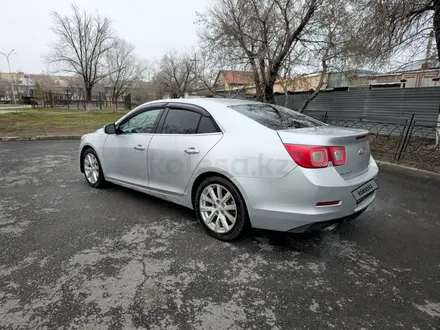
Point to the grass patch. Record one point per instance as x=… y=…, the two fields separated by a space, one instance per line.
x=419 y=153
x=55 y=122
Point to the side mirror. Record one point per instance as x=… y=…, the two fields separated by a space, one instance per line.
x=110 y=129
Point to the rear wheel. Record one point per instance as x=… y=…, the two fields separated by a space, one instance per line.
x=220 y=208
x=92 y=169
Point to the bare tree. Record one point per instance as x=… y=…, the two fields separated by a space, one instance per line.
x=330 y=43
x=400 y=29
x=176 y=73
x=210 y=64
x=143 y=91
x=285 y=80
x=83 y=40
x=160 y=89
x=261 y=31
x=124 y=68
x=291 y=76
x=397 y=28
x=45 y=80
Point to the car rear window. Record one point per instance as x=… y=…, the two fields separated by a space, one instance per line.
x=275 y=116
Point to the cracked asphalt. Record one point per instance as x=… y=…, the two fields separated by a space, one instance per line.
x=75 y=257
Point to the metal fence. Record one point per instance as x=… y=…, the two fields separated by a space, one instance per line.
x=50 y=99
x=413 y=142
x=387 y=105
x=77 y=100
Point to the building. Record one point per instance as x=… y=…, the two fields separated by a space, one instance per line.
x=232 y=81
x=17 y=84
x=420 y=73
x=63 y=88
x=356 y=79
x=23 y=85
x=299 y=83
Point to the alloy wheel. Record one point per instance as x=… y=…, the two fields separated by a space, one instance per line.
x=91 y=168
x=218 y=208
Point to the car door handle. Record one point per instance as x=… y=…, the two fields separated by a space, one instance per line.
x=192 y=151
x=139 y=148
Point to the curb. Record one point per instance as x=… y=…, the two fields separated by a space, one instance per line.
x=411 y=171
x=39 y=138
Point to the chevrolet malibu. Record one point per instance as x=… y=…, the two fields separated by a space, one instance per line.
x=237 y=163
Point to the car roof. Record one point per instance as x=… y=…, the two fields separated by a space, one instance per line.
x=206 y=102
x=226 y=117
x=200 y=101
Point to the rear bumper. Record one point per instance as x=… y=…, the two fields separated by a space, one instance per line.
x=289 y=203
x=315 y=226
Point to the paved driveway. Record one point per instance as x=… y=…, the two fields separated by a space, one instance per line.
x=75 y=257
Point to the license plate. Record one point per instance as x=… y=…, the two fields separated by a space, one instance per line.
x=363 y=191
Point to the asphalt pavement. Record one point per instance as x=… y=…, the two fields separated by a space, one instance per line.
x=76 y=257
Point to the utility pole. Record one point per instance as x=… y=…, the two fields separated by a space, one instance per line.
x=426 y=64
x=9 y=68
x=428 y=56
x=195 y=60
x=196 y=75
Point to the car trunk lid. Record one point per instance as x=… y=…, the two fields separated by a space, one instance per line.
x=354 y=140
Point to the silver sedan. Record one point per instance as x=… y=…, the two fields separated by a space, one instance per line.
x=237 y=163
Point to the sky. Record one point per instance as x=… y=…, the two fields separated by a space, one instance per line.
x=153 y=26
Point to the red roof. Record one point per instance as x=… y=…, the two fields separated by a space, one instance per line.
x=238 y=77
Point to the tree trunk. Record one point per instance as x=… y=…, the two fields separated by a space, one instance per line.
x=269 y=96
x=259 y=93
x=112 y=102
x=88 y=97
x=437 y=26
x=51 y=99
x=116 y=104
x=257 y=82
x=318 y=88
x=88 y=93
x=268 y=93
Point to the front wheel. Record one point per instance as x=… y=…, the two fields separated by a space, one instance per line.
x=92 y=169
x=220 y=208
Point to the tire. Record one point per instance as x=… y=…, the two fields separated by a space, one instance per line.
x=216 y=217
x=96 y=179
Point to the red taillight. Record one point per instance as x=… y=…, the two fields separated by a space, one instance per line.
x=338 y=155
x=316 y=156
x=319 y=156
x=308 y=156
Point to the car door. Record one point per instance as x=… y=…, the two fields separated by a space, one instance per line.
x=185 y=135
x=125 y=153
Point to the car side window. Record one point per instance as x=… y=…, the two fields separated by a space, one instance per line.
x=206 y=125
x=141 y=123
x=181 y=122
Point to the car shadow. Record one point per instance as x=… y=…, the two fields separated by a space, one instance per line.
x=312 y=243
x=322 y=244
x=157 y=202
